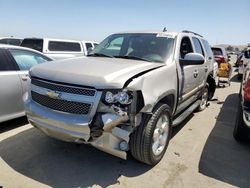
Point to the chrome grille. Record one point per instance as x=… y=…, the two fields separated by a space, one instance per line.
x=61 y=105
x=63 y=88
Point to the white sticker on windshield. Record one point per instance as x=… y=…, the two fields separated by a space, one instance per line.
x=164 y=35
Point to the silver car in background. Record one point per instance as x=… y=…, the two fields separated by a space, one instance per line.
x=15 y=63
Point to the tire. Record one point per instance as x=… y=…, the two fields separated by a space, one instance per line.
x=239 y=76
x=204 y=99
x=241 y=131
x=144 y=137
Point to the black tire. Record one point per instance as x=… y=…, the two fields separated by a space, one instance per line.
x=239 y=76
x=141 y=140
x=203 y=104
x=241 y=131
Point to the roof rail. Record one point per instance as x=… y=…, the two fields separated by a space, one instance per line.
x=186 y=31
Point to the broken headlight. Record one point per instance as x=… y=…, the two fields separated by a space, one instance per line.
x=122 y=97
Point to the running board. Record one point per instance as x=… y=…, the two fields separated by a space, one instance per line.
x=186 y=113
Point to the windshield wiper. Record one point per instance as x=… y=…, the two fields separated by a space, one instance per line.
x=100 y=55
x=132 y=57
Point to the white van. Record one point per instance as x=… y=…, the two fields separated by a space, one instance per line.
x=59 y=48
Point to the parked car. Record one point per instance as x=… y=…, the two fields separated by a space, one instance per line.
x=59 y=48
x=126 y=95
x=243 y=63
x=11 y=40
x=238 y=61
x=220 y=54
x=14 y=65
x=242 y=124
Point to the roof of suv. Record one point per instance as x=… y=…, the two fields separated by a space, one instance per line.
x=190 y=33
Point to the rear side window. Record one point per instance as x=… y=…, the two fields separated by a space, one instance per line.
x=197 y=46
x=64 y=46
x=88 y=45
x=36 y=44
x=217 y=51
x=27 y=59
x=208 y=50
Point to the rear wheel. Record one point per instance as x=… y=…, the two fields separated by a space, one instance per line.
x=204 y=99
x=150 y=140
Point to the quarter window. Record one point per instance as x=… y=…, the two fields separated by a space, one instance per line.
x=197 y=46
x=208 y=50
x=64 y=46
x=5 y=63
x=26 y=59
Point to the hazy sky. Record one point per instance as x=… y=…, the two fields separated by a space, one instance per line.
x=220 y=21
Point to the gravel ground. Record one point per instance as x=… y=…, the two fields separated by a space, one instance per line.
x=202 y=153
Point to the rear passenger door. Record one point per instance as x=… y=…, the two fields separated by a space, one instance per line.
x=202 y=69
x=11 y=104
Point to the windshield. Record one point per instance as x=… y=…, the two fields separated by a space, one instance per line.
x=217 y=51
x=146 y=47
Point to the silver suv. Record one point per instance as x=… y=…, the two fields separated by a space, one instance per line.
x=126 y=95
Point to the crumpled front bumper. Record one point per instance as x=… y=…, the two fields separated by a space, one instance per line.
x=76 y=128
x=63 y=126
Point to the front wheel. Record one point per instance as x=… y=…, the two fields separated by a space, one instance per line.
x=150 y=140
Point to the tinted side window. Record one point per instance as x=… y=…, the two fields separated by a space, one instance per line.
x=208 y=50
x=36 y=44
x=88 y=45
x=197 y=46
x=95 y=44
x=5 y=62
x=186 y=47
x=64 y=46
x=26 y=59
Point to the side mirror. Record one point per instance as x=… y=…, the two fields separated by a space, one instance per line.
x=246 y=54
x=90 y=49
x=192 y=59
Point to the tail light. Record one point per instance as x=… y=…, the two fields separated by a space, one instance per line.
x=247 y=90
x=219 y=59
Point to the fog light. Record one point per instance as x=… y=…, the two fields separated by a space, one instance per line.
x=123 y=146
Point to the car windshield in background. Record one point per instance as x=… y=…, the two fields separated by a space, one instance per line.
x=36 y=44
x=217 y=51
x=11 y=41
x=146 y=47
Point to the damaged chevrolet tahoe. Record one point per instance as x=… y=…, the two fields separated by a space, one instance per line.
x=126 y=95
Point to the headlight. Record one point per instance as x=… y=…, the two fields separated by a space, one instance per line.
x=109 y=97
x=122 y=97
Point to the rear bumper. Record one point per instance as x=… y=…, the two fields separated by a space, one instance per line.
x=63 y=126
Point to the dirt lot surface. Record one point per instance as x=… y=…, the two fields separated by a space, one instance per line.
x=202 y=153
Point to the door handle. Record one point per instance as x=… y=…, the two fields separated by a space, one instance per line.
x=195 y=74
x=25 y=78
x=206 y=68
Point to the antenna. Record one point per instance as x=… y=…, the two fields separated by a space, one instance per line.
x=165 y=29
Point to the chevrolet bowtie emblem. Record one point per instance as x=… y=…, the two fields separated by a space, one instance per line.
x=53 y=94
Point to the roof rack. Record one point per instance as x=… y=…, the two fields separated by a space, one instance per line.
x=186 y=31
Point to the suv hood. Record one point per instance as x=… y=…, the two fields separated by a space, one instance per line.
x=98 y=72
